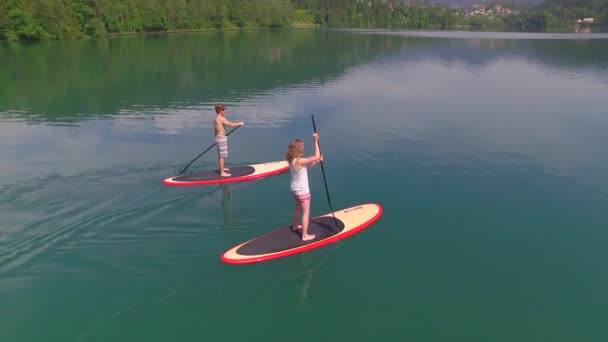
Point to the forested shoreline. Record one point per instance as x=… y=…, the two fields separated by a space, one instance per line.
x=34 y=20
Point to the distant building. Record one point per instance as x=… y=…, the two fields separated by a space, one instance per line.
x=497 y=10
x=580 y=21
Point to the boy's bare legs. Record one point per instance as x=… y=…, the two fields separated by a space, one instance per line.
x=223 y=172
x=305 y=213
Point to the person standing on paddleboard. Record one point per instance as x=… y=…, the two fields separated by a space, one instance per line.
x=299 y=181
x=221 y=139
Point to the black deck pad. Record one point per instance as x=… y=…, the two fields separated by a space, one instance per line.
x=285 y=238
x=208 y=175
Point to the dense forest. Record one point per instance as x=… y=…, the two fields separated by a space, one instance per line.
x=63 y=19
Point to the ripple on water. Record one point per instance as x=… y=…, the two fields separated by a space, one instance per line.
x=107 y=211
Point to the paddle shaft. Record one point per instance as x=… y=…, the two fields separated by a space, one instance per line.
x=324 y=178
x=210 y=147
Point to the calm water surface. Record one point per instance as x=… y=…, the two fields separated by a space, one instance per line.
x=487 y=153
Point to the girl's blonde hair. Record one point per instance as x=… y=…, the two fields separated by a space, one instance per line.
x=295 y=150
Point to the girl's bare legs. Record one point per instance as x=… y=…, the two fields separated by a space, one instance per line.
x=305 y=214
x=296 y=214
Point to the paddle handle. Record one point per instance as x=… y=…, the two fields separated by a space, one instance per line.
x=324 y=178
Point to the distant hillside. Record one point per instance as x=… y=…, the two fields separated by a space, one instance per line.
x=22 y=20
x=592 y=6
x=573 y=9
x=471 y=3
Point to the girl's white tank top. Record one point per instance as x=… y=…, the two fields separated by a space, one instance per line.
x=299 y=179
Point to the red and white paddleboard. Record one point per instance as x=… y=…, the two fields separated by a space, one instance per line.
x=237 y=174
x=284 y=241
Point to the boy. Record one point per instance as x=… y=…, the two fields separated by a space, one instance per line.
x=221 y=139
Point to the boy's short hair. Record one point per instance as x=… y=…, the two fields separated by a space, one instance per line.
x=219 y=107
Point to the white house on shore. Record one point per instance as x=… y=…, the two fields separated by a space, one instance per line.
x=585 y=21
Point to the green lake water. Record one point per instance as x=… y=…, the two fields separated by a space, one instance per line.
x=487 y=152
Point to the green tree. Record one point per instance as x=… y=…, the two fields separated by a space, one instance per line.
x=62 y=19
x=19 y=24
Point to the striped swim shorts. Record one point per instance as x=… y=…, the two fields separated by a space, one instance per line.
x=222 y=146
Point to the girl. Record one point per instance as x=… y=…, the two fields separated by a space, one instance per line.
x=299 y=181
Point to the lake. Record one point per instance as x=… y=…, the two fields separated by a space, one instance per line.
x=486 y=151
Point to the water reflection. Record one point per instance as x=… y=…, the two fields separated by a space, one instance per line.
x=510 y=107
x=599 y=33
x=448 y=99
x=227 y=205
x=75 y=80
x=185 y=73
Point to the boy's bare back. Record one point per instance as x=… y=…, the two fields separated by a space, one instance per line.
x=218 y=124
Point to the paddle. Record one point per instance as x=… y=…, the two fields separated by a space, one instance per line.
x=182 y=171
x=324 y=179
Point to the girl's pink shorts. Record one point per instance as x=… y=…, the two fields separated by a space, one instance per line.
x=301 y=198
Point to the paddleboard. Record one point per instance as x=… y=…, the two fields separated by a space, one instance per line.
x=237 y=174
x=284 y=241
